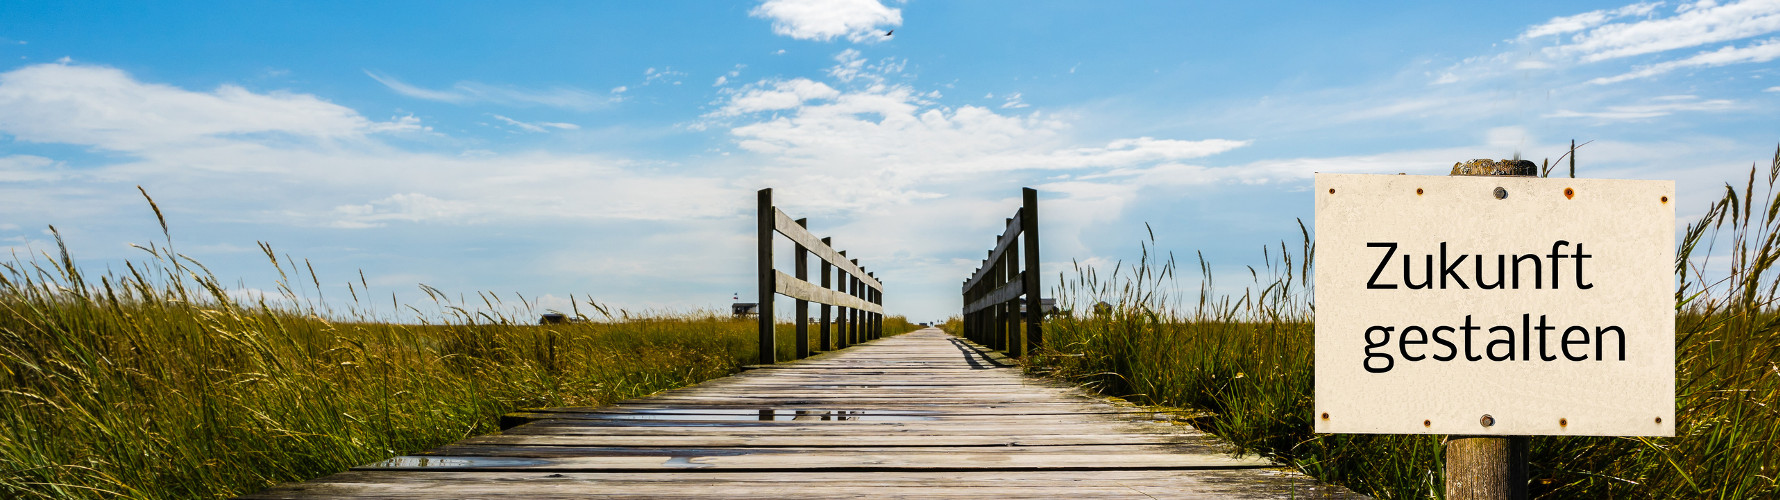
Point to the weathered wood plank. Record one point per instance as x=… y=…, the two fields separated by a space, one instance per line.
x=918 y=415
x=1234 y=484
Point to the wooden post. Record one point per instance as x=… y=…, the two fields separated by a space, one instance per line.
x=1010 y=260
x=767 y=346
x=858 y=315
x=801 y=261
x=1488 y=467
x=1034 y=300
x=871 y=295
x=827 y=283
x=842 y=313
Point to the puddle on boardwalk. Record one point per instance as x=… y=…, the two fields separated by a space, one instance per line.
x=727 y=414
x=412 y=462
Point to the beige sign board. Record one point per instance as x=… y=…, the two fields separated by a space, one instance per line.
x=1547 y=305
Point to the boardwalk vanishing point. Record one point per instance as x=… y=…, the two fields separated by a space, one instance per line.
x=923 y=415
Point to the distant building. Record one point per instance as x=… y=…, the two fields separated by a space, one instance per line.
x=553 y=319
x=1046 y=306
x=744 y=309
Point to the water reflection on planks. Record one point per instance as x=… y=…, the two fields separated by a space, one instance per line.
x=917 y=415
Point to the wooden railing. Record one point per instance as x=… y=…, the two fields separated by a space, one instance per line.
x=856 y=295
x=992 y=294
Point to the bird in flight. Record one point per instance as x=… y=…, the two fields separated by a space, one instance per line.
x=887 y=33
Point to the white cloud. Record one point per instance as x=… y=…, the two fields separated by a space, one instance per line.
x=1692 y=26
x=824 y=20
x=1763 y=51
x=1656 y=107
x=1013 y=102
x=776 y=95
x=536 y=127
x=232 y=150
x=99 y=106
x=1586 y=20
x=882 y=143
x=467 y=92
x=1772 y=89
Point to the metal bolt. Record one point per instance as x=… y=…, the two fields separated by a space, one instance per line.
x=1501 y=194
x=1563 y=422
x=1487 y=420
x=1326 y=416
x=1427 y=423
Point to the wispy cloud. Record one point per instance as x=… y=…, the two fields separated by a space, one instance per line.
x=1013 y=102
x=1692 y=25
x=536 y=127
x=104 y=107
x=467 y=92
x=1579 y=22
x=1660 y=106
x=1763 y=51
x=859 y=21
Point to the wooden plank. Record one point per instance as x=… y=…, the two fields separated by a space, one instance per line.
x=785 y=225
x=789 y=286
x=926 y=415
x=831 y=461
x=793 y=439
x=1008 y=291
x=1007 y=237
x=1232 y=484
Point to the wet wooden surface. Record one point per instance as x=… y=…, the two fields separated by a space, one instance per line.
x=918 y=415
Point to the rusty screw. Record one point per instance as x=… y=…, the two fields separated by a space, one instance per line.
x=1563 y=422
x=1487 y=420
x=1501 y=194
x=1326 y=416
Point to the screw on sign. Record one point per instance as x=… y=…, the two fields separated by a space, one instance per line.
x=1491 y=305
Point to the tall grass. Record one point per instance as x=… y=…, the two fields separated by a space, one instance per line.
x=157 y=382
x=1240 y=367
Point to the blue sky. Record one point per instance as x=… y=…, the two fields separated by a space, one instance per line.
x=611 y=150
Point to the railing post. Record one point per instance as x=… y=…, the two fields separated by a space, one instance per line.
x=843 y=315
x=1010 y=261
x=1034 y=294
x=858 y=314
x=765 y=255
x=827 y=284
x=871 y=295
x=801 y=260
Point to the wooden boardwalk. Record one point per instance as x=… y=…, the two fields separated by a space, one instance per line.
x=917 y=415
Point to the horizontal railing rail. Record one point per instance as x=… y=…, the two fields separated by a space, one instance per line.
x=993 y=293
x=856 y=295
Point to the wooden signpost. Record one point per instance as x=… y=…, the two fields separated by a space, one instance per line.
x=1491 y=308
